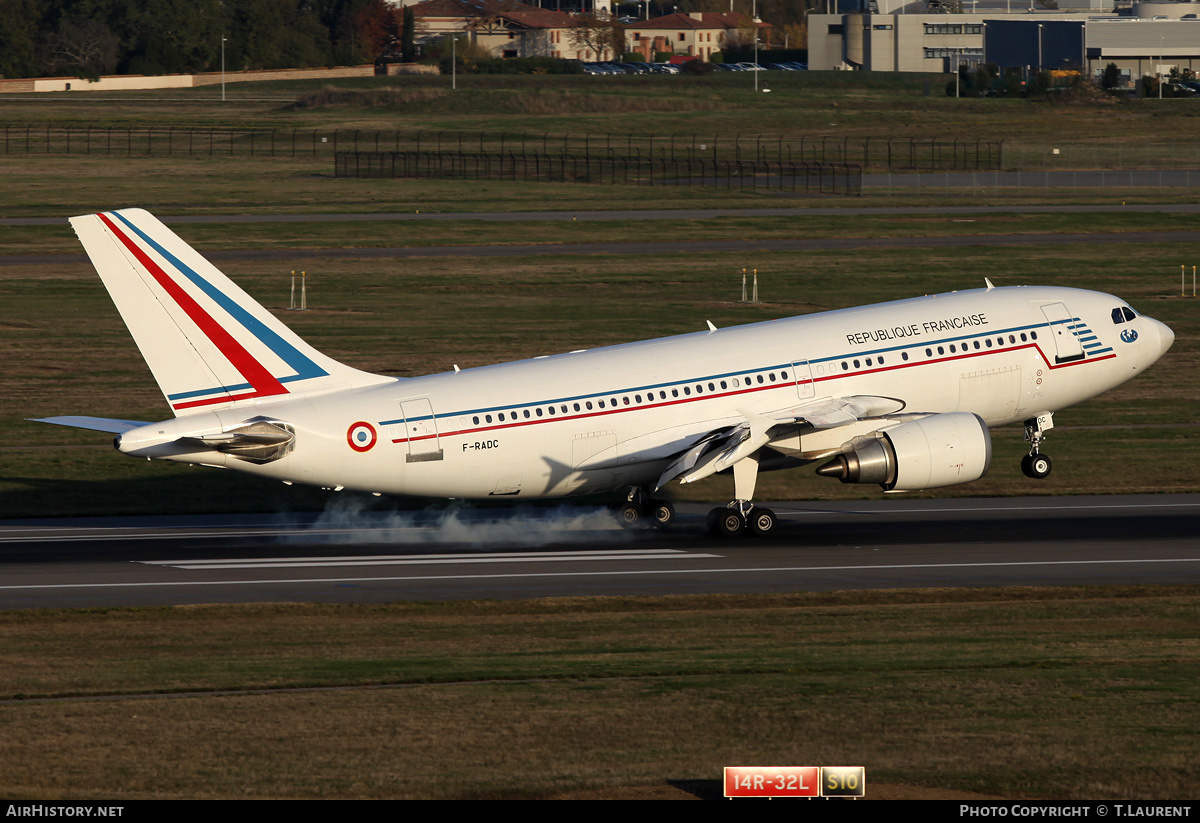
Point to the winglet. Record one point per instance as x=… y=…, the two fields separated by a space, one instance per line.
x=989 y=284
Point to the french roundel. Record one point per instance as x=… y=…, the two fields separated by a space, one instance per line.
x=361 y=436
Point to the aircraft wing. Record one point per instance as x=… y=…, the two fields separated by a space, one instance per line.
x=721 y=448
x=98 y=424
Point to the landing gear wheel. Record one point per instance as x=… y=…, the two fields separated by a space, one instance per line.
x=712 y=524
x=730 y=523
x=761 y=521
x=660 y=514
x=1036 y=466
x=629 y=515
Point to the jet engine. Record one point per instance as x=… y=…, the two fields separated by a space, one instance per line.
x=935 y=451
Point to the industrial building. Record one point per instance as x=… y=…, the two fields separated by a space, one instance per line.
x=1149 y=38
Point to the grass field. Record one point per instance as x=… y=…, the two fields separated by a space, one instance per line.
x=1000 y=692
x=1064 y=693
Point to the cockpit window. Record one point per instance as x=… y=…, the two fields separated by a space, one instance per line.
x=1128 y=312
x=1118 y=316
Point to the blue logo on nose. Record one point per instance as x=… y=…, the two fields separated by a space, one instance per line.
x=1129 y=335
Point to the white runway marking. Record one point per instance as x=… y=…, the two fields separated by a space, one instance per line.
x=618 y=573
x=426 y=559
x=782 y=508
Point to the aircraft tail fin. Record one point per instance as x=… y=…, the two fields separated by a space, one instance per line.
x=207 y=342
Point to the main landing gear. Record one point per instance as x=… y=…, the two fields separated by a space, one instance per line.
x=640 y=509
x=1035 y=464
x=741 y=517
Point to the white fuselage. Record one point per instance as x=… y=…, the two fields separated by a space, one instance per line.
x=602 y=419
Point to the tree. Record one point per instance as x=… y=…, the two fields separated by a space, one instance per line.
x=408 y=36
x=378 y=30
x=985 y=76
x=87 y=49
x=598 y=34
x=1111 y=78
x=19 y=37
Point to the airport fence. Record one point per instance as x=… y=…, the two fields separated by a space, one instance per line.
x=614 y=169
x=871 y=153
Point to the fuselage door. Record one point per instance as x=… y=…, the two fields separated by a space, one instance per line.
x=420 y=429
x=804 y=381
x=1067 y=345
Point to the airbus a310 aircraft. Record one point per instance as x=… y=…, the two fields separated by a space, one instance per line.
x=900 y=394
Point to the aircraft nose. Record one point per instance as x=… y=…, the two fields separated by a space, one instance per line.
x=1166 y=337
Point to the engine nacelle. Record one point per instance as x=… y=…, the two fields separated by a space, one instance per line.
x=935 y=451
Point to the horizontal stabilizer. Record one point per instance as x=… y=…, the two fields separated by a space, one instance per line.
x=96 y=424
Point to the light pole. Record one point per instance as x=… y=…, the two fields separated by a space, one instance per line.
x=223 y=68
x=957 y=67
x=754 y=21
x=1158 y=68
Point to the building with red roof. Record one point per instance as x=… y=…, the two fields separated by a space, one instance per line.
x=696 y=34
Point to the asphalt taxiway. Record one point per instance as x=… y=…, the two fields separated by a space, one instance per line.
x=528 y=553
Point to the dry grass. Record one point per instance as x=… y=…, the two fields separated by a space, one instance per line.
x=330 y=97
x=1004 y=691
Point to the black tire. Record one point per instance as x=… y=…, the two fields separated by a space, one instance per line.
x=1036 y=466
x=660 y=514
x=711 y=524
x=629 y=515
x=731 y=523
x=761 y=521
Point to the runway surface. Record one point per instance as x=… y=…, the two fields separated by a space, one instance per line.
x=529 y=553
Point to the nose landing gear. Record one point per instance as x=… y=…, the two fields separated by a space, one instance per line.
x=1035 y=464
